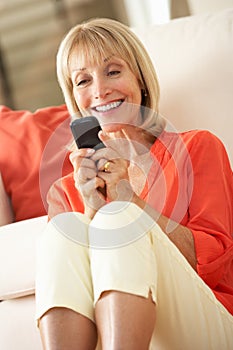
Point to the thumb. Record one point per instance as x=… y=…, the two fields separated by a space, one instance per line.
x=104 y=137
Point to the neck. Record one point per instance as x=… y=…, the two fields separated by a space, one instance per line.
x=140 y=136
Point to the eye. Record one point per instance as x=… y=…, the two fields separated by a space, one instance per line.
x=113 y=72
x=81 y=82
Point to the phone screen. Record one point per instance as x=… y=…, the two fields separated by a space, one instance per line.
x=85 y=131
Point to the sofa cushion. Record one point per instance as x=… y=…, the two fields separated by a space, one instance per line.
x=18 y=325
x=17 y=257
x=33 y=155
x=193 y=58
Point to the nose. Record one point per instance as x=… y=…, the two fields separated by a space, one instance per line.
x=101 y=88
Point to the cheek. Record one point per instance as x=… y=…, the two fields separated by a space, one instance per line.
x=134 y=90
x=137 y=91
x=80 y=99
x=138 y=96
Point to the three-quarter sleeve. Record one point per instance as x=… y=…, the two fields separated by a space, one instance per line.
x=211 y=212
x=64 y=197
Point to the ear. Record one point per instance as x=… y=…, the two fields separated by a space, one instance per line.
x=144 y=92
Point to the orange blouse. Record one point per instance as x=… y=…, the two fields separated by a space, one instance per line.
x=191 y=182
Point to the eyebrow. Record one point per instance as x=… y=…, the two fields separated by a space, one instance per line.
x=84 y=68
x=78 y=70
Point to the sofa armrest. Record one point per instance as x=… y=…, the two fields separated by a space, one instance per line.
x=6 y=211
x=17 y=257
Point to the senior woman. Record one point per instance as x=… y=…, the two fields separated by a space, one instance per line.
x=138 y=252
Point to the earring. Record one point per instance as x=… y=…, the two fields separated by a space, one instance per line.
x=144 y=92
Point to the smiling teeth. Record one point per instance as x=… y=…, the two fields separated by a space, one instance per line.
x=108 y=106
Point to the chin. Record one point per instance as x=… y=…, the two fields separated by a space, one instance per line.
x=113 y=127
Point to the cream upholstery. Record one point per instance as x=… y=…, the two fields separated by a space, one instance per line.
x=202 y=6
x=17 y=242
x=193 y=57
x=17 y=284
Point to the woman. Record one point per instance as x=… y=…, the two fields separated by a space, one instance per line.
x=138 y=253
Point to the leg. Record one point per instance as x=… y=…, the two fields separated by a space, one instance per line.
x=62 y=328
x=124 y=279
x=125 y=321
x=188 y=315
x=64 y=295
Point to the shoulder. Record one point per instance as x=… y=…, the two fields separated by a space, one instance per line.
x=191 y=136
x=201 y=137
x=206 y=145
x=200 y=147
x=192 y=140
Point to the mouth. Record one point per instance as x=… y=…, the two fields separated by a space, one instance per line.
x=108 y=106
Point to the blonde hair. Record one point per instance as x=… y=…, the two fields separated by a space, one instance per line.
x=96 y=38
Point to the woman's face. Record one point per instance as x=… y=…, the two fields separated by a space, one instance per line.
x=109 y=91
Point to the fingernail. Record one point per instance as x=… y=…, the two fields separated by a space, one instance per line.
x=102 y=132
x=72 y=156
x=90 y=151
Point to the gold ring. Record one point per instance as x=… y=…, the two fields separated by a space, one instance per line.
x=106 y=167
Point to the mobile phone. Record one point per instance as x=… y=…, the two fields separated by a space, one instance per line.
x=85 y=131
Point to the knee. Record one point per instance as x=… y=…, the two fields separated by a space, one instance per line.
x=116 y=214
x=117 y=224
x=69 y=225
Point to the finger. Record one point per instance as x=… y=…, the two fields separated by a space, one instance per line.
x=85 y=174
x=108 y=177
x=83 y=152
x=90 y=186
x=107 y=167
x=117 y=142
x=100 y=164
x=122 y=190
x=83 y=162
x=105 y=153
x=105 y=137
x=119 y=166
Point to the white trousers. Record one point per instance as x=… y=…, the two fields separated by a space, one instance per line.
x=123 y=249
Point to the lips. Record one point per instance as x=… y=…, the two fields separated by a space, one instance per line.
x=108 y=106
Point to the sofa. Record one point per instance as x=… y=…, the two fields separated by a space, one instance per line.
x=193 y=57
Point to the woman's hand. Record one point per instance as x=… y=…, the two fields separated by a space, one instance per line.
x=122 y=180
x=128 y=153
x=87 y=181
x=113 y=169
x=114 y=172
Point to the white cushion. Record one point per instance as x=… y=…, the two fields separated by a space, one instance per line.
x=18 y=325
x=193 y=57
x=17 y=257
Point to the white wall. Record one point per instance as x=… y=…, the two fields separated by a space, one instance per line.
x=201 y=6
x=144 y=12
